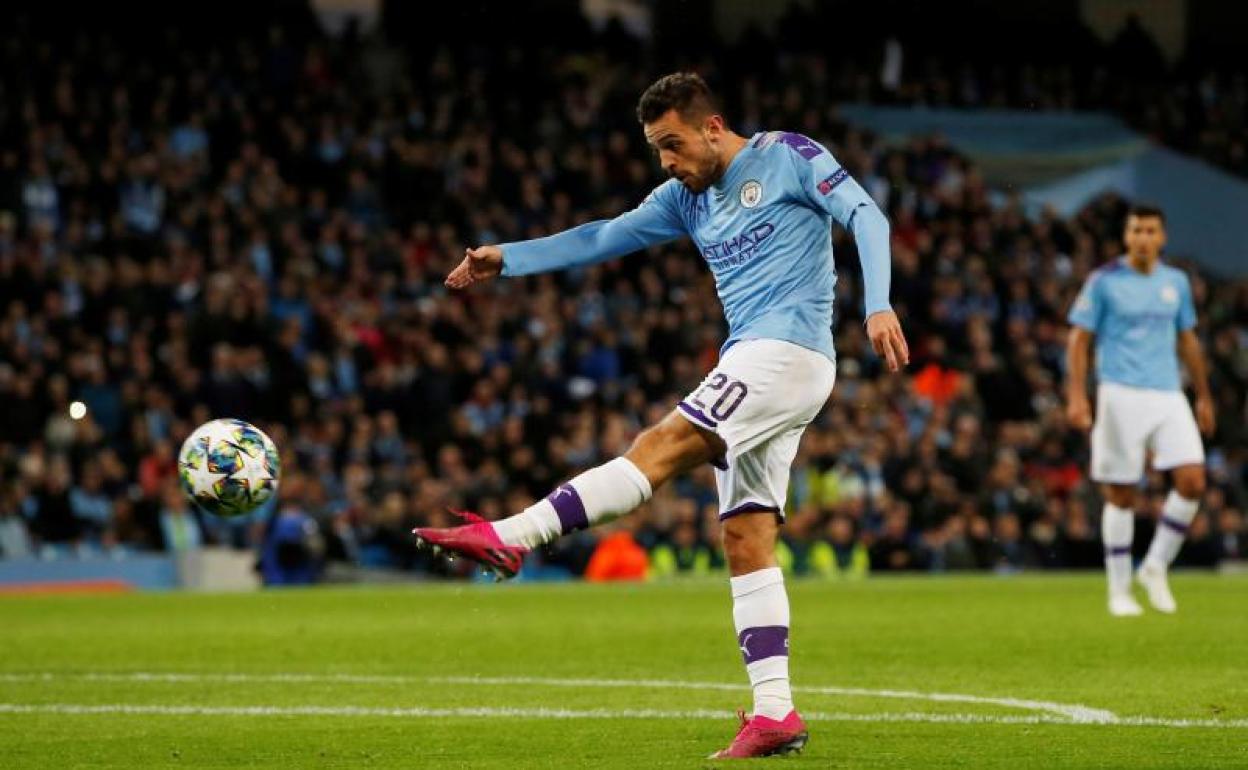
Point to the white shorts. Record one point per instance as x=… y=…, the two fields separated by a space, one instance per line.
x=1131 y=421
x=759 y=399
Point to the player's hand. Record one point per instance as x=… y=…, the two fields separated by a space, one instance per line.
x=480 y=264
x=884 y=331
x=1205 y=415
x=1079 y=414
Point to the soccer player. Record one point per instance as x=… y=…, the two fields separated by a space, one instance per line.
x=1137 y=308
x=759 y=209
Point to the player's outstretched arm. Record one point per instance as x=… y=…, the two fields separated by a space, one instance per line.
x=656 y=220
x=1194 y=359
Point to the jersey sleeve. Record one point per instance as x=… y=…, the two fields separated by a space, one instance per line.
x=826 y=186
x=657 y=220
x=1089 y=306
x=1186 y=318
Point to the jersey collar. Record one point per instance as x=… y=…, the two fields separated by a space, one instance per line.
x=1125 y=262
x=733 y=171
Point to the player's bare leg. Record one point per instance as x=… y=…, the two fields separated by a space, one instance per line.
x=598 y=495
x=673 y=447
x=1176 y=516
x=1117 y=533
x=761 y=615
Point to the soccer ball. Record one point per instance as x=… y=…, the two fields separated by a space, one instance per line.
x=228 y=467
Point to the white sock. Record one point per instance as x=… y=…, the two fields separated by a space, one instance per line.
x=1117 y=532
x=596 y=496
x=760 y=612
x=1176 y=516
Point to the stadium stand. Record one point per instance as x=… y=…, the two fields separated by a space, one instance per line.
x=260 y=229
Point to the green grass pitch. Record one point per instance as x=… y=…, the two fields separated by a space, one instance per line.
x=927 y=672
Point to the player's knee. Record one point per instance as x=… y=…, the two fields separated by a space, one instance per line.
x=1190 y=483
x=1120 y=495
x=749 y=543
x=739 y=546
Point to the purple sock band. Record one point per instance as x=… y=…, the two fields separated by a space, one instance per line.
x=1177 y=526
x=571 y=510
x=763 y=642
x=1124 y=550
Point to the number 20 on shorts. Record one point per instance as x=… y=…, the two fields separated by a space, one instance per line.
x=727 y=392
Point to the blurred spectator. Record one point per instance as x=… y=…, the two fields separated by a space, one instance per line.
x=617 y=557
x=893 y=550
x=14 y=538
x=686 y=554
x=87 y=501
x=179 y=526
x=292 y=548
x=840 y=554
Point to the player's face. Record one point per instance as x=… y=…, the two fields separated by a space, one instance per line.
x=688 y=151
x=1145 y=237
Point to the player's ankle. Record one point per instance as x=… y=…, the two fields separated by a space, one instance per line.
x=773 y=708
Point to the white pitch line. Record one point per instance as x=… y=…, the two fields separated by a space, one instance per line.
x=1068 y=713
x=549 y=713
x=212 y=678
x=1073 y=711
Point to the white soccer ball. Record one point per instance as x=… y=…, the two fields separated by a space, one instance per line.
x=229 y=467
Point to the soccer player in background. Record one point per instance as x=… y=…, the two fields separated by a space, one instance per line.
x=1138 y=308
x=759 y=209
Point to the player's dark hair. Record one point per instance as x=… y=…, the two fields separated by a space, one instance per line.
x=685 y=92
x=1146 y=210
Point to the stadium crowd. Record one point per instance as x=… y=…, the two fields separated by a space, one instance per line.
x=261 y=230
x=1197 y=104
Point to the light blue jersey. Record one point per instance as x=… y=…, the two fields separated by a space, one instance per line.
x=764 y=230
x=1136 y=318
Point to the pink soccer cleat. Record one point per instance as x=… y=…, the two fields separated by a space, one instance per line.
x=475 y=540
x=763 y=737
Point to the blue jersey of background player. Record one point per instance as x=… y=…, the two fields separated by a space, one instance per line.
x=1136 y=316
x=759 y=210
x=1139 y=311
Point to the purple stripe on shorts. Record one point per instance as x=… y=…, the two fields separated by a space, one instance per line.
x=749 y=508
x=571 y=510
x=763 y=642
x=1177 y=526
x=1122 y=550
x=697 y=415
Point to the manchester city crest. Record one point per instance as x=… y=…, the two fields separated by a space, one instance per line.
x=751 y=193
